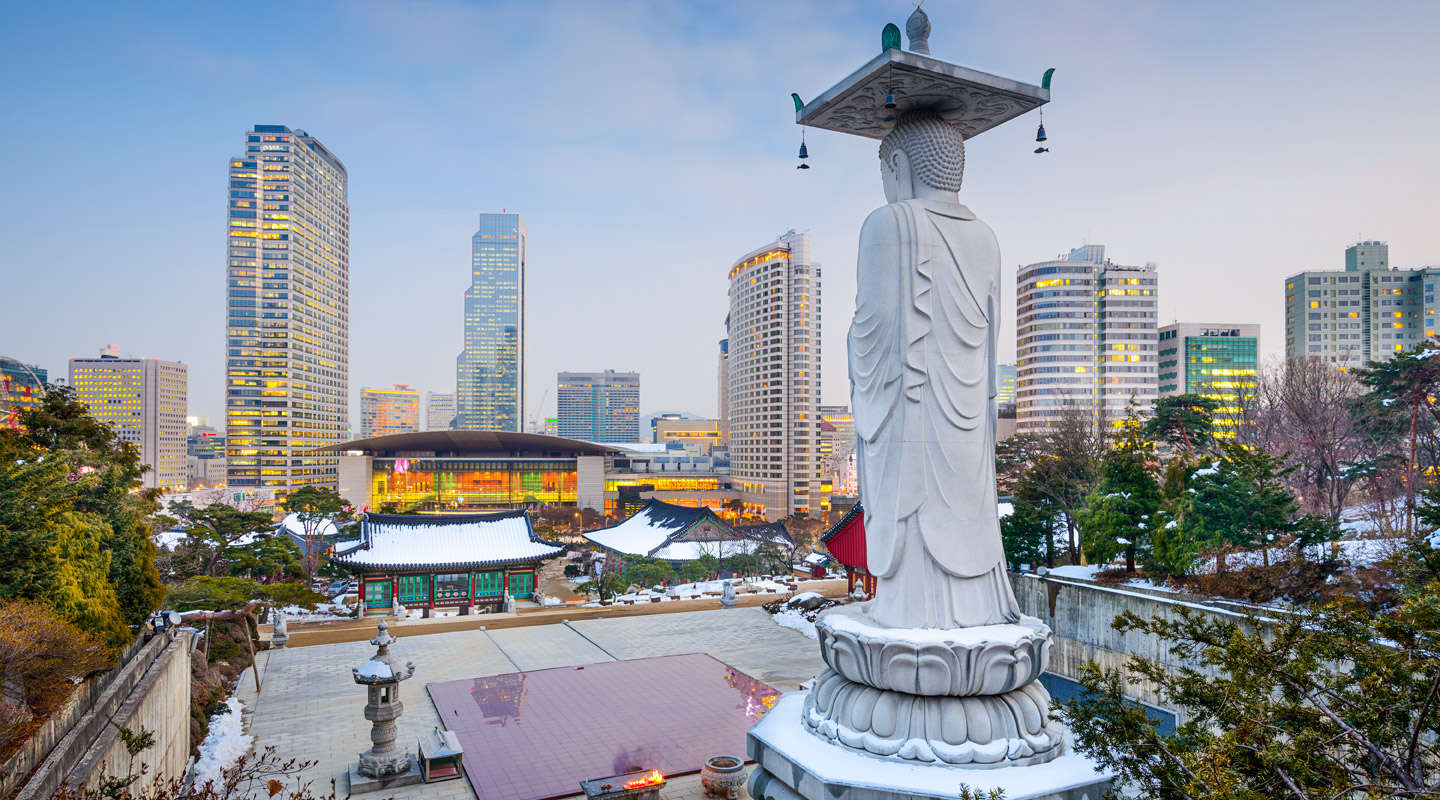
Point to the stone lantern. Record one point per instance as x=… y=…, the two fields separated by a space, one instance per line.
x=384 y=765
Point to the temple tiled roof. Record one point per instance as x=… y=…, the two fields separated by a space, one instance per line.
x=857 y=510
x=457 y=541
x=680 y=533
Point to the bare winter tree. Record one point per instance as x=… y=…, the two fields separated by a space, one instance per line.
x=1306 y=407
x=1065 y=466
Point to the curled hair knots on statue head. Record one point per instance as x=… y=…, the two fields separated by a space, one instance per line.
x=936 y=148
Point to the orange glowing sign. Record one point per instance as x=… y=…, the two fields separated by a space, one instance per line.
x=653 y=779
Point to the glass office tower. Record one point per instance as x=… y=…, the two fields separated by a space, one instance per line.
x=490 y=371
x=287 y=378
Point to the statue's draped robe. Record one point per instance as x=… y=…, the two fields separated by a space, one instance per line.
x=922 y=360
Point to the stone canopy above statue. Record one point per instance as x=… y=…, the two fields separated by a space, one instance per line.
x=973 y=101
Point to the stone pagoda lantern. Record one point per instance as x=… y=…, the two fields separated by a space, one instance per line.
x=384 y=765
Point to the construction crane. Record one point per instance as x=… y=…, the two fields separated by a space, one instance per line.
x=535 y=420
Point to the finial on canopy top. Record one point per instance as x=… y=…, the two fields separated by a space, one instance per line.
x=889 y=37
x=917 y=27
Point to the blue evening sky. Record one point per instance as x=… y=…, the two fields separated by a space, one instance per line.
x=649 y=144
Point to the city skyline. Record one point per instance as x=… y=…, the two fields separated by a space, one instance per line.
x=1313 y=186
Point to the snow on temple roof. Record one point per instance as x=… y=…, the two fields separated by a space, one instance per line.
x=293 y=526
x=680 y=533
x=391 y=541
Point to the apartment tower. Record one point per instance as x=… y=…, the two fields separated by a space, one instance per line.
x=287 y=376
x=599 y=406
x=490 y=371
x=1086 y=339
x=144 y=400
x=773 y=358
x=387 y=411
x=1368 y=311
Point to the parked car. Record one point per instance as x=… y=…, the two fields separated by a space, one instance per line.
x=353 y=587
x=335 y=587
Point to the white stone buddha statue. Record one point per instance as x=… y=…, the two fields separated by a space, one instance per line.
x=922 y=386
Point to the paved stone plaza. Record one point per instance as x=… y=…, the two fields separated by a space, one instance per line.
x=310 y=707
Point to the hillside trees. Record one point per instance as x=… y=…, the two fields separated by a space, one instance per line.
x=1269 y=713
x=73 y=530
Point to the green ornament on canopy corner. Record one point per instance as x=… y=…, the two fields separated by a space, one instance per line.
x=890 y=37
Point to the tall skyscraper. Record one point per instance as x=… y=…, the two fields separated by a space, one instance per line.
x=1086 y=337
x=490 y=372
x=774 y=379
x=144 y=400
x=287 y=388
x=439 y=410
x=1214 y=360
x=599 y=406
x=387 y=411
x=1366 y=312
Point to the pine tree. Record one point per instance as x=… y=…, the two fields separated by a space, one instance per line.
x=1242 y=501
x=1124 y=502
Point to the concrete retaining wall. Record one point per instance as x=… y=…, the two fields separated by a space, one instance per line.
x=151 y=691
x=22 y=762
x=1079 y=614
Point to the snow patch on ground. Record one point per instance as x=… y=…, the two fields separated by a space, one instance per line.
x=223 y=746
x=322 y=611
x=794 y=620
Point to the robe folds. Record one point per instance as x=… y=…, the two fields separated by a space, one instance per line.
x=922 y=388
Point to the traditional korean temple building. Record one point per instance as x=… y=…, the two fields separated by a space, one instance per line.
x=846 y=542
x=451 y=561
x=681 y=533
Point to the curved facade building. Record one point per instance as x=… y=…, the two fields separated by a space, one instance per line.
x=773 y=369
x=1086 y=337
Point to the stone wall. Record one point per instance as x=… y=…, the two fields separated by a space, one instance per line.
x=150 y=691
x=1079 y=614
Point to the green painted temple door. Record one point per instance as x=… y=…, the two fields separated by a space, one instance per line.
x=489 y=584
x=522 y=585
x=377 y=594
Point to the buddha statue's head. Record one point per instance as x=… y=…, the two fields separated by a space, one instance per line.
x=924 y=156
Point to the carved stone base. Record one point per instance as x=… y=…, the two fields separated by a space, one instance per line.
x=381 y=767
x=990 y=659
x=793 y=764
x=978 y=732
x=361 y=783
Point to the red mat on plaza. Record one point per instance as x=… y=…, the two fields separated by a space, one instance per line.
x=536 y=735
